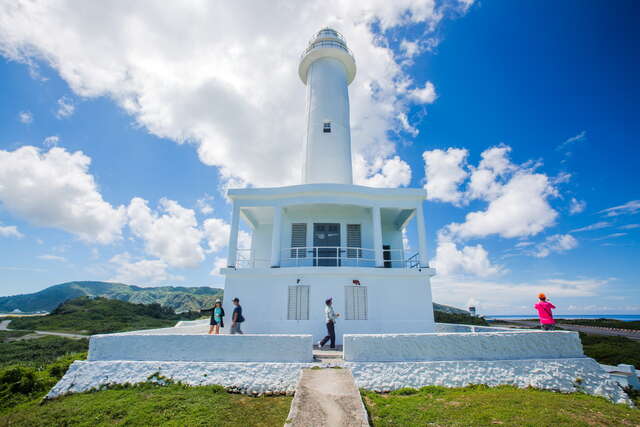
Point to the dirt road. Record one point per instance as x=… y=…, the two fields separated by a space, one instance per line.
x=595 y=330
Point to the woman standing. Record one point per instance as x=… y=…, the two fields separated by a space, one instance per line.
x=217 y=317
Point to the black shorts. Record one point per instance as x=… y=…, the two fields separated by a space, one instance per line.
x=213 y=322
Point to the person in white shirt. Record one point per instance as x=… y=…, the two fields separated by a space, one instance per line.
x=330 y=317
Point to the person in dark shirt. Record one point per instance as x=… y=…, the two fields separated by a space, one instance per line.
x=236 y=317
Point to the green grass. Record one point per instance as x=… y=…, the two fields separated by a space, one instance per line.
x=101 y=315
x=145 y=405
x=465 y=319
x=611 y=350
x=5 y=336
x=39 y=351
x=604 y=323
x=482 y=406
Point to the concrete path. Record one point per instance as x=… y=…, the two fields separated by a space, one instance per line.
x=4 y=326
x=327 y=398
x=595 y=330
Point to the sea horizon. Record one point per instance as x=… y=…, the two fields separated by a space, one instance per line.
x=623 y=317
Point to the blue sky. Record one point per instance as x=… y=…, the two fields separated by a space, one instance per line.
x=155 y=112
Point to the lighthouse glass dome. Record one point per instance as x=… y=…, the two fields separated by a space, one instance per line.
x=328 y=237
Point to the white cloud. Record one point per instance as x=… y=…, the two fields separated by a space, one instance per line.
x=10 y=231
x=392 y=172
x=596 y=226
x=225 y=79
x=65 y=108
x=573 y=140
x=629 y=208
x=611 y=236
x=49 y=257
x=424 y=95
x=450 y=260
x=410 y=48
x=25 y=117
x=55 y=189
x=577 y=206
x=629 y=226
x=555 y=243
x=143 y=272
x=444 y=171
x=204 y=204
x=216 y=232
x=484 y=182
x=521 y=209
x=172 y=236
x=504 y=297
x=218 y=263
x=51 y=141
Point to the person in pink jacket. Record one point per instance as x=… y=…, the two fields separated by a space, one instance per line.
x=544 y=312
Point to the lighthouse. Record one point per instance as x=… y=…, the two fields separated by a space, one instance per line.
x=326 y=237
x=327 y=67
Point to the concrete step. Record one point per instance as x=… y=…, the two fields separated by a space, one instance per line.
x=327 y=397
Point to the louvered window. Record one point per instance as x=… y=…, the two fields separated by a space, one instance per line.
x=326 y=127
x=298 y=306
x=354 y=240
x=356 y=302
x=299 y=240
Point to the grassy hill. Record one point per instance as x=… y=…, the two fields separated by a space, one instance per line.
x=87 y=315
x=177 y=298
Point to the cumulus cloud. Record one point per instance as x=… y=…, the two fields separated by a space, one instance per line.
x=172 y=235
x=577 y=206
x=451 y=260
x=142 y=272
x=225 y=79
x=423 y=95
x=216 y=233
x=55 y=189
x=484 y=182
x=204 y=204
x=65 y=108
x=444 y=171
x=629 y=208
x=392 y=172
x=51 y=141
x=555 y=243
x=520 y=209
x=25 y=117
x=10 y=231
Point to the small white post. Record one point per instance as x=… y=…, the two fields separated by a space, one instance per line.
x=233 y=236
x=422 y=236
x=377 y=236
x=275 y=236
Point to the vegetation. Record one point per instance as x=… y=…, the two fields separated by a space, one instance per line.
x=603 y=323
x=38 y=352
x=178 y=298
x=147 y=404
x=482 y=405
x=611 y=350
x=448 y=309
x=19 y=383
x=87 y=315
x=466 y=319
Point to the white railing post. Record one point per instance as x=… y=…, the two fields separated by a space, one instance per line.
x=233 y=236
x=377 y=236
x=422 y=236
x=276 y=236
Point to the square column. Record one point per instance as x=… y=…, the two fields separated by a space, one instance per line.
x=377 y=235
x=276 y=236
x=422 y=236
x=233 y=236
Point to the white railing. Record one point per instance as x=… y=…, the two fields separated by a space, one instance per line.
x=329 y=256
x=342 y=256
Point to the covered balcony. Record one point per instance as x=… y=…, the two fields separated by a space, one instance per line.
x=327 y=225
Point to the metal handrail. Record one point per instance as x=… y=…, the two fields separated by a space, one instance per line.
x=342 y=255
x=326 y=43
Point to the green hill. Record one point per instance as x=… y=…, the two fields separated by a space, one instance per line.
x=99 y=315
x=177 y=298
x=448 y=309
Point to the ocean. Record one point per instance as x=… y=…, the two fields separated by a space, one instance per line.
x=623 y=317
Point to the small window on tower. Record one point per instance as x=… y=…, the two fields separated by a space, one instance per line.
x=326 y=128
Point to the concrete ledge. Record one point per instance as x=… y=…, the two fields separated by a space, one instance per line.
x=564 y=375
x=201 y=348
x=508 y=345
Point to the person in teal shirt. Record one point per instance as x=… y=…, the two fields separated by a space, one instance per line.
x=217 y=317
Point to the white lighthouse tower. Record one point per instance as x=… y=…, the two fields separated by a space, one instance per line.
x=327 y=67
x=327 y=237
